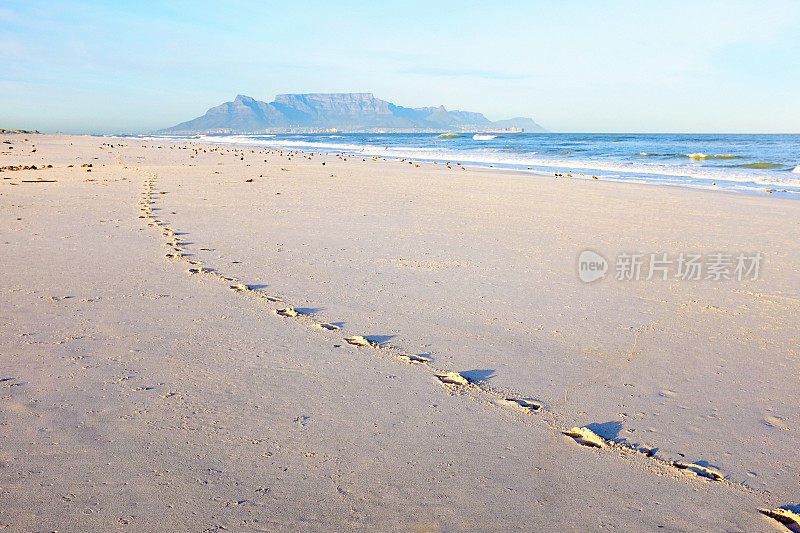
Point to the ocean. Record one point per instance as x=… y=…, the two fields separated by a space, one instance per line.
x=756 y=164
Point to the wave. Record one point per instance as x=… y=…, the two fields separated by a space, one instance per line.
x=483 y=137
x=703 y=157
x=676 y=155
x=449 y=136
x=760 y=165
x=796 y=169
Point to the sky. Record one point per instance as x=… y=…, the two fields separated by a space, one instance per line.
x=574 y=66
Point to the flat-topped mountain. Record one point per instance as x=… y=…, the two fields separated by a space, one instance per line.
x=349 y=112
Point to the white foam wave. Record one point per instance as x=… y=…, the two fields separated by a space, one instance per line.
x=796 y=170
x=703 y=157
x=483 y=137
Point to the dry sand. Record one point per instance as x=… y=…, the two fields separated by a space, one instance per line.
x=138 y=395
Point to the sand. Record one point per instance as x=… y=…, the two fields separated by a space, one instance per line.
x=147 y=392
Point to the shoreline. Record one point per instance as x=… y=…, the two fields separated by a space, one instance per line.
x=738 y=186
x=475 y=273
x=636 y=185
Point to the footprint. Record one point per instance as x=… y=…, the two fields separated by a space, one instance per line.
x=586 y=437
x=700 y=470
x=271 y=298
x=452 y=378
x=329 y=327
x=528 y=405
x=410 y=358
x=239 y=287
x=786 y=517
x=287 y=312
x=358 y=340
x=776 y=422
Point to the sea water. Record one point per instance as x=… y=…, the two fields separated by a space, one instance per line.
x=731 y=162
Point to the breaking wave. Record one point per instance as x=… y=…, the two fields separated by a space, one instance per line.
x=704 y=157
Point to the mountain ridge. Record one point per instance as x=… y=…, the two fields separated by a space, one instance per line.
x=346 y=112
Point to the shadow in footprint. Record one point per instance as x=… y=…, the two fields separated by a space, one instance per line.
x=706 y=464
x=308 y=310
x=257 y=287
x=477 y=376
x=337 y=324
x=184 y=233
x=607 y=430
x=380 y=340
x=610 y=431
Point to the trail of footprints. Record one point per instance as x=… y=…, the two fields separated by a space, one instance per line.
x=454 y=382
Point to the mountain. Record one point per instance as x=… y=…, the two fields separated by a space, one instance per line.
x=350 y=112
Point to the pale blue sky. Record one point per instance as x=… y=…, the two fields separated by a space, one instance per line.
x=667 y=66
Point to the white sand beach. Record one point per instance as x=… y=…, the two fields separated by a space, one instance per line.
x=138 y=395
